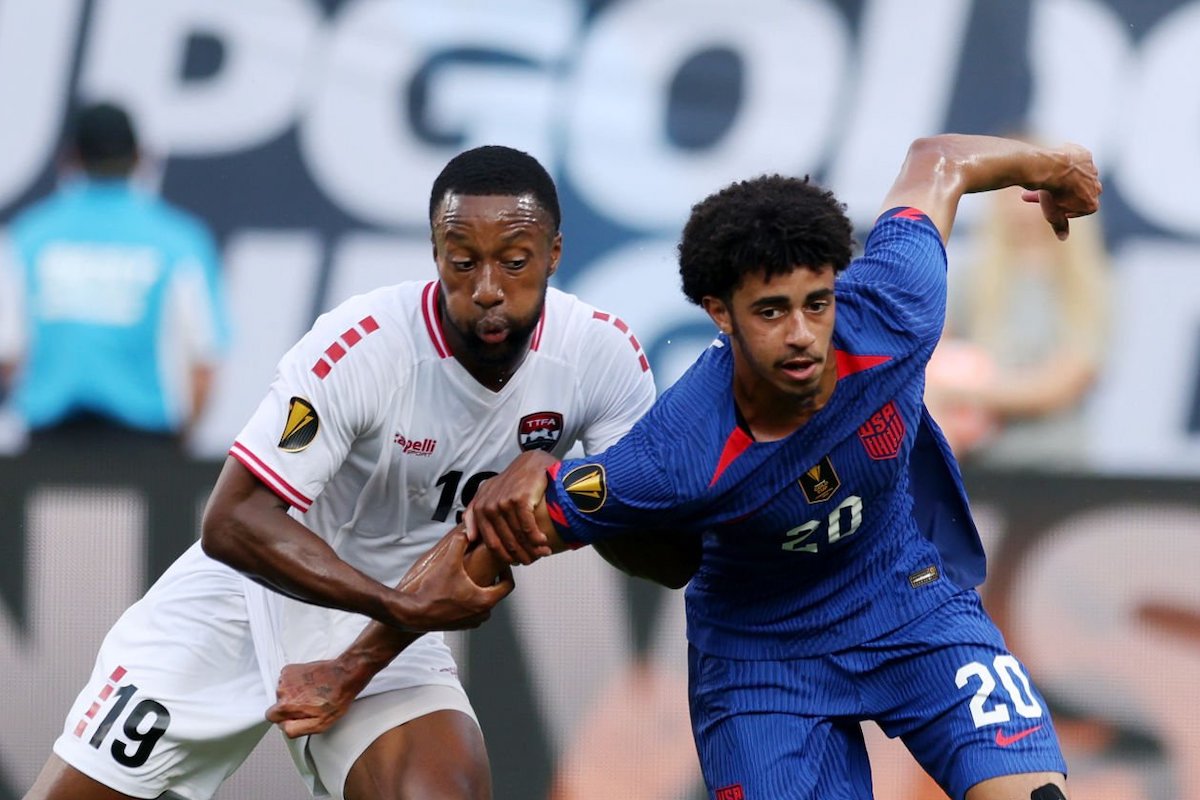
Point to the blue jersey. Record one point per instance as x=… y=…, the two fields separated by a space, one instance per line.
x=119 y=294
x=849 y=527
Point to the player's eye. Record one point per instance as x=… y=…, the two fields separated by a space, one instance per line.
x=461 y=263
x=818 y=306
x=771 y=313
x=515 y=263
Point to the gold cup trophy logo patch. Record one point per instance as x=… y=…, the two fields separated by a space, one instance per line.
x=820 y=482
x=586 y=487
x=301 y=426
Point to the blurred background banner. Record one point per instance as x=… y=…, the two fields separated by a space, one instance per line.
x=307 y=134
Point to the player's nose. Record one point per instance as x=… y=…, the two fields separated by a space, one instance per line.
x=799 y=333
x=489 y=291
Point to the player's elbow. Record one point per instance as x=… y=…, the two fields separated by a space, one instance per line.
x=941 y=161
x=218 y=535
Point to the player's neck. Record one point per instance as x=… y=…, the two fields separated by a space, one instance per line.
x=770 y=414
x=491 y=374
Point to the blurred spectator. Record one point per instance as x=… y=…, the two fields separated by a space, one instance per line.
x=1025 y=337
x=113 y=315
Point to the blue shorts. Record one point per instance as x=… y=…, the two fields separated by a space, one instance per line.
x=945 y=683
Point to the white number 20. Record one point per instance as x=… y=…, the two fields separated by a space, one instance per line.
x=838 y=526
x=1010 y=672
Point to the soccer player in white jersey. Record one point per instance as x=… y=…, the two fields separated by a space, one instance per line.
x=380 y=425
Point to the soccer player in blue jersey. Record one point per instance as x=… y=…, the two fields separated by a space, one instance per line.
x=839 y=555
x=837 y=552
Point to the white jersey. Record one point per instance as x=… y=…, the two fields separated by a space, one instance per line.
x=378 y=438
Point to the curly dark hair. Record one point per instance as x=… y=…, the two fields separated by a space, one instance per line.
x=496 y=170
x=771 y=223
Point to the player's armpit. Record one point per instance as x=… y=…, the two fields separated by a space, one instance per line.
x=668 y=558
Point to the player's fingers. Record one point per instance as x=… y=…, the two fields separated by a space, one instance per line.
x=1054 y=214
x=283 y=711
x=470 y=525
x=509 y=536
x=519 y=518
x=456 y=542
x=502 y=587
x=467 y=623
x=492 y=541
x=294 y=729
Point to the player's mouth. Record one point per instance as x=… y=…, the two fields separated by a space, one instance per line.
x=492 y=331
x=800 y=370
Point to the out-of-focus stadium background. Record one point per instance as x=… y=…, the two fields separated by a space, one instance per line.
x=308 y=132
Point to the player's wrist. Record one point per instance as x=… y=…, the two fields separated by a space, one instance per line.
x=355 y=668
x=402 y=613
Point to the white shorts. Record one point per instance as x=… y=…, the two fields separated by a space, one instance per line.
x=331 y=754
x=178 y=696
x=176 y=699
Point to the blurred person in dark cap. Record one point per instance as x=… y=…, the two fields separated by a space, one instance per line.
x=114 y=317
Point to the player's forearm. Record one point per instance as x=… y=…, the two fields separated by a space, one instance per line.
x=939 y=170
x=378 y=645
x=275 y=550
x=969 y=164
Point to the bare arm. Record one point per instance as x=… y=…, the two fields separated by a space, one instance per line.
x=311 y=697
x=509 y=515
x=247 y=527
x=509 y=512
x=939 y=170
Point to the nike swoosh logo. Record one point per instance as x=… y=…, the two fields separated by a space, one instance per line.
x=1005 y=741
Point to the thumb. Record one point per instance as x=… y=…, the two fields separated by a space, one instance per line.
x=294 y=729
x=1054 y=215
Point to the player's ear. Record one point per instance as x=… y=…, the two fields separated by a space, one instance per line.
x=718 y=312
x=555 y=254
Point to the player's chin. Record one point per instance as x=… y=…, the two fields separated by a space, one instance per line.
x=806 y=389
x=498 y=352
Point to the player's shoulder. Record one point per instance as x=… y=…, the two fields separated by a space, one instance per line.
x=576 y=327
x=906 y=224
x=378 y=327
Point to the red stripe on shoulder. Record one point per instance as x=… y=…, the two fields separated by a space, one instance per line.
x=850 y=363
x=272 y=479
x=620 y=325
x=735 y=445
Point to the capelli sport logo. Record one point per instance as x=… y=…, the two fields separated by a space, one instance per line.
x=301 y=427
x=586 y=487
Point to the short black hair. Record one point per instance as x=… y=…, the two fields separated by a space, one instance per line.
x=103 y=137
x=771 y=224
x=496 y=170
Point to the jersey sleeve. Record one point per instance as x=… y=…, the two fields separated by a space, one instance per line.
x=329 y=389
x=904 y=266
x=623 y=489
x=617 y=382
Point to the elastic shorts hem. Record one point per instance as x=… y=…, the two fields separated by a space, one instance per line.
x=334 y=752
x=117 y=781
